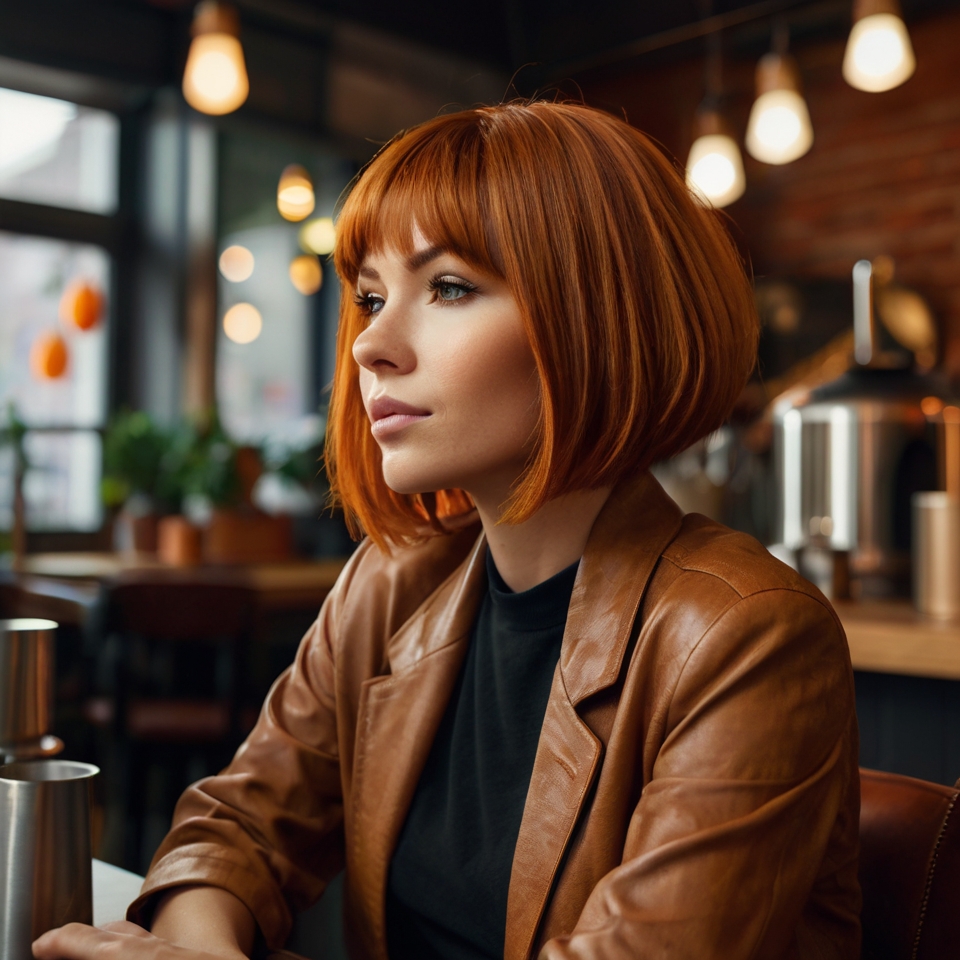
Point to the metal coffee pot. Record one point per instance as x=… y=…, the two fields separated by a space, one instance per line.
x=26 y=688
x=849 y=455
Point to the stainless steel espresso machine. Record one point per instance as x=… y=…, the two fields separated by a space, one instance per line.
x=849 y=455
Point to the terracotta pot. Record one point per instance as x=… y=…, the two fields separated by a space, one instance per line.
x=247 y=536
x=179 y=542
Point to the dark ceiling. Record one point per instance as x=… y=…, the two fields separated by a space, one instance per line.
x=539 y=42
x=558 y=34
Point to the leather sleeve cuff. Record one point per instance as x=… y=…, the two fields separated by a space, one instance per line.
x=214 y=866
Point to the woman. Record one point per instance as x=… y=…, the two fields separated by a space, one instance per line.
x=542 y=712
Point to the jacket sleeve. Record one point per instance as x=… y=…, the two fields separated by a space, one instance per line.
x=269 y=828
x=749 y=818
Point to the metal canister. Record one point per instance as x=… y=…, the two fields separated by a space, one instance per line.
x=45 y=853
x=936 y=554
x=26 y=681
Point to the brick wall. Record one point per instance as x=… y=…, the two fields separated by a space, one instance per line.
x=883 y=175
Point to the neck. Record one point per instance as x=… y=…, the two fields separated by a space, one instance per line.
x=554 y=537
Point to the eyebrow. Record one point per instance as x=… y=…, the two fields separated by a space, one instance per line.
x=414 y=262
x=421 y=259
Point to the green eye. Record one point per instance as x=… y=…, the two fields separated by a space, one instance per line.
x=450 y=291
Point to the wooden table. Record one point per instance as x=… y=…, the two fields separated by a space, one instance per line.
x=63 y=586
x=891 y=637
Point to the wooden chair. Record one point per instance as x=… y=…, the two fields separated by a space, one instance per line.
x=179 y=680
x=909 y=868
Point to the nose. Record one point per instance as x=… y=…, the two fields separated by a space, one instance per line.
x=384 y=346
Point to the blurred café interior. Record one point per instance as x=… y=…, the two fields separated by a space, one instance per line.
x=169 y=178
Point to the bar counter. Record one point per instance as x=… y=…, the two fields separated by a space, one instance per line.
x=891 y=637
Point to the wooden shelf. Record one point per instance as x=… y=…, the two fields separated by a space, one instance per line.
x=891 y=637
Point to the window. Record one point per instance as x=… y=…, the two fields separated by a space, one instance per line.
x=55 y=154
x=270 y=384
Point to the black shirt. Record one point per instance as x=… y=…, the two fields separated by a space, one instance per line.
x=447 y=888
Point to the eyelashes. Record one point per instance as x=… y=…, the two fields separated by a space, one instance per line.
x=369 y=303
x=445 y=290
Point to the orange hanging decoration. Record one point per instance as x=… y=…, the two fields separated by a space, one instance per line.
x=81 y=305
x=49 y=356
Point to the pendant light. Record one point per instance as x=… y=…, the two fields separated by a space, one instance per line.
x=714 y=165
x=295 y=197
x=779 y=129
x=215 y=77
x=879 y=55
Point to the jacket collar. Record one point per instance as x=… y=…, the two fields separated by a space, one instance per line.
x=635 y=526
x=629 y=535
x=399 y=714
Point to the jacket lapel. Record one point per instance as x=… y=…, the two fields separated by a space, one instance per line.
x=635 y=526
x=398 y=718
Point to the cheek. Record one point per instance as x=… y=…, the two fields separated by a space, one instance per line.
x=492 y=381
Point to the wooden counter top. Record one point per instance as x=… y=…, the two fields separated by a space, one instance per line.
x=63 y=586
x=891 y=637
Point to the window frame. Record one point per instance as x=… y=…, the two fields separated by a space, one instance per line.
x=115 y=234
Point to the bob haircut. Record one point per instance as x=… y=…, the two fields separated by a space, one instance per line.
x=635 y=301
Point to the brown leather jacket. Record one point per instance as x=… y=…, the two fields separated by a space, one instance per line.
x=695 y=792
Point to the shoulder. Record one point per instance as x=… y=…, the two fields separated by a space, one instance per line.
x=717 y=590
x=706 y=550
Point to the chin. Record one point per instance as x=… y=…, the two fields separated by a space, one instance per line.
x=409 y=483
x=407 y=480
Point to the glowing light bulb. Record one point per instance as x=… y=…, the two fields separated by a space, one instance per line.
x=236 y=263
x=215 y=77
x=242 y=323
x=715 y=170
x=779 y=128
x=879 y=55
x=306 y=274
x=318 y=236
x=295 y=199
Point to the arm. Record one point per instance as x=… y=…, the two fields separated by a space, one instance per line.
x=268 y=829
x=192 y=923
x=205 y=918
x=746 y=829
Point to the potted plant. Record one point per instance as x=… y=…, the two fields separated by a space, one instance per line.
x=134 y=449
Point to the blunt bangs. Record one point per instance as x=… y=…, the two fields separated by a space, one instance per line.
x=419 y=183
x=636 y=303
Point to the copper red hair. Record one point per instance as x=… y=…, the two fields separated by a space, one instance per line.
x=635 y=300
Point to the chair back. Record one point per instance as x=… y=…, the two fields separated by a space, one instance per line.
x=909 y=868
x=182 y=610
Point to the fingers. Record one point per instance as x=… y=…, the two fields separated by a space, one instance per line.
x=125 y=926
x=77 y=941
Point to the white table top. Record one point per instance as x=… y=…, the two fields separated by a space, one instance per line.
x=113 y=891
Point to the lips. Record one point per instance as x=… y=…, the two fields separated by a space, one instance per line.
x=384 y=407
x=390 y=416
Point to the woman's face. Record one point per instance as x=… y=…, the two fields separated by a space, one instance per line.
x=447 y=374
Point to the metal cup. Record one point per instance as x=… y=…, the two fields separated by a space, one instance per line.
x=936 y=554
x=45 y=857
x=26 y=680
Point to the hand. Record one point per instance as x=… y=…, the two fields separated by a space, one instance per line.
x=77 y=941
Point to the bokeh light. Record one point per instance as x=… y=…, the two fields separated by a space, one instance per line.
x=242 y=323
x=306 y=274
x=236 y=263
